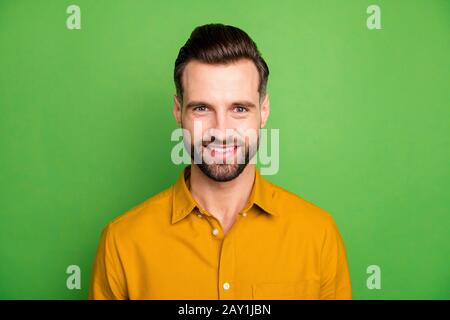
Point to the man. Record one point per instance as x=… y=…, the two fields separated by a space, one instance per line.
x=222 y=231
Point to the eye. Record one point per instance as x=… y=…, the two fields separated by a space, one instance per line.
x=200 y=108
x=240 y=109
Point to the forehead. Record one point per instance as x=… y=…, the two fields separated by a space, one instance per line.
x=221 y=82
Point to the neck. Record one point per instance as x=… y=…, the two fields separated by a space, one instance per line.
x=224 y=200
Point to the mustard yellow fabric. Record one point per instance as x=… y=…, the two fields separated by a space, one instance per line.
x=168 y=247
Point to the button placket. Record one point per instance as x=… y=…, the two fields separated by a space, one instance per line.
x=216 y=229
x=227 y=266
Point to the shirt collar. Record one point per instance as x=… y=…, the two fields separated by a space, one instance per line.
x=183 y=203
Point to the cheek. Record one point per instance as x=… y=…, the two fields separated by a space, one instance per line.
x=248 y=129
x=189 y=134
x=247 y=125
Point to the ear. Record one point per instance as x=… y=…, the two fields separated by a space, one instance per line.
x=177 y=107
x=265 y=111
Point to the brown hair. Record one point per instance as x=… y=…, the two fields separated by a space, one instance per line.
x=216 y=43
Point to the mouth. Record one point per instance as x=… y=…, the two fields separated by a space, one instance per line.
x=221 y=151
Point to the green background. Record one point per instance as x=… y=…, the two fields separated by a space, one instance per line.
x=85 y=124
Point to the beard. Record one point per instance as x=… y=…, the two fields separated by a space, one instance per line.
x=222 y=172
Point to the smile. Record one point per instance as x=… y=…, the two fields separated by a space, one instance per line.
x=221 y=150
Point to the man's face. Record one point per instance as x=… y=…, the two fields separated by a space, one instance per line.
x=222 y=112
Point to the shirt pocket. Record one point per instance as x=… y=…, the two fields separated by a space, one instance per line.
x=299 y=290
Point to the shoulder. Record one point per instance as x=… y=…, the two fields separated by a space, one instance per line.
x=145 y=216
x=296 y=209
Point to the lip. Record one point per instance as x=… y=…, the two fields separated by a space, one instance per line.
x=222 y=151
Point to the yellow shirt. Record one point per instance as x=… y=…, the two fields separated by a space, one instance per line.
x=280 y=247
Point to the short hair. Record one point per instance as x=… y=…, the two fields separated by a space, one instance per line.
x=217 y=43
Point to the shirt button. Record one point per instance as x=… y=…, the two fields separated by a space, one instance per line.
x=226 y=286
x=199 y=215
x=215 y=232
x=244 y=214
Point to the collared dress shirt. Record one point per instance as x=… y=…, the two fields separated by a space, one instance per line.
x=280 y=247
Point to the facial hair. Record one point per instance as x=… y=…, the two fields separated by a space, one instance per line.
x=223 y=172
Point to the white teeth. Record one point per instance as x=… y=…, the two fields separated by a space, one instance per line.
x=221 y=150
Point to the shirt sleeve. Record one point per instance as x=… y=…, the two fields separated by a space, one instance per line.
x=335 y=276
x=108 y=280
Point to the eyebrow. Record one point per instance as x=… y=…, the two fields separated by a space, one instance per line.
x=202 y=103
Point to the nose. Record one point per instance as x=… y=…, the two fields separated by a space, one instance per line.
x=222 y=127
x=221 y=121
